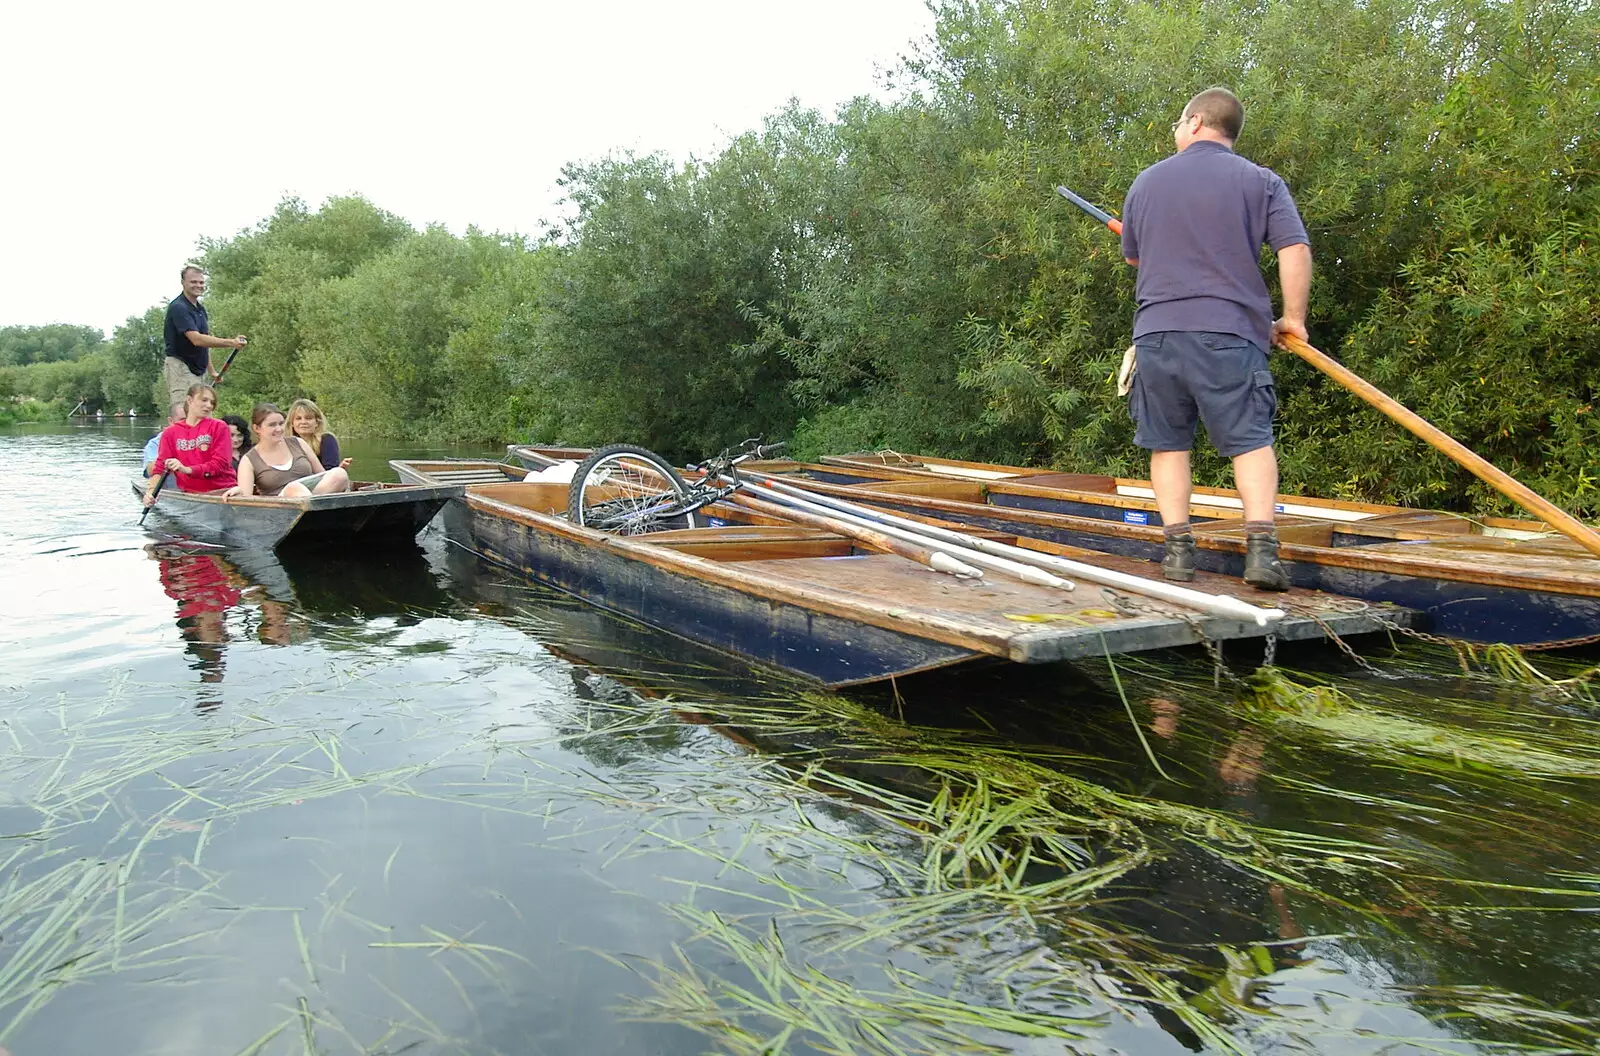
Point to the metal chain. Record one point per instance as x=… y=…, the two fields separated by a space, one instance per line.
x=1129 y=606
x=1465 y=651
x=1560 y=643
x=1349 y=650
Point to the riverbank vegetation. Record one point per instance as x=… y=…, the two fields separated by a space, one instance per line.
x=900 y=273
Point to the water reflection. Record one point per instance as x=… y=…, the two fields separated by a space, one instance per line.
x=280 y=599
x=205 y=587
x=444 y=810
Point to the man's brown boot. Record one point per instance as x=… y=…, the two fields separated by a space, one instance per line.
x=1178 y=564
x=1262 y=569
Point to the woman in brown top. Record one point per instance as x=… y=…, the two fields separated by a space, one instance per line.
x=283 y=465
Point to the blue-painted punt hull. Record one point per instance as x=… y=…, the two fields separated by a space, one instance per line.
x=833 y=650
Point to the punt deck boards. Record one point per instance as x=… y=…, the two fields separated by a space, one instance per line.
x=1133 y=500
x=1512 y=586
x=827 y=607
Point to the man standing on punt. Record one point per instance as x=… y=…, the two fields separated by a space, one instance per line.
x=187 y=334
x=1193 y=224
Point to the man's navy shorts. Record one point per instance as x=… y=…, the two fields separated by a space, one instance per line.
x=1220 y=378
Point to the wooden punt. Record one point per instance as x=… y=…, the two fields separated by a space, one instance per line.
x=830 y=609
x=1485 y=580
x=457 y=472
x=370 y=514
x=539 y=456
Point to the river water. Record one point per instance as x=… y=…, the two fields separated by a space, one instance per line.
x=409 y=803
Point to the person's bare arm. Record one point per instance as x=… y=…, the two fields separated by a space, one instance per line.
x=1294 y=275
x=200 y=340
x=316 y=463
x=246 y=476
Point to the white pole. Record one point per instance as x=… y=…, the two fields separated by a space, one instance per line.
x=1220 y=604
x=953 y=543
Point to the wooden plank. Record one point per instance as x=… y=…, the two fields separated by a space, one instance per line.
x=1205 y=501
x=1580 y=574
x=963 y=490
x=1071 y=481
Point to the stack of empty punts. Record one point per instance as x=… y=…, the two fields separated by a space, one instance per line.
x=1482 y=579
x=817 y=594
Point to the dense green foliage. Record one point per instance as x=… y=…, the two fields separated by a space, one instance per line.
x=902 y=275
x=46 y=371
x=61 y=368
x=22 y=345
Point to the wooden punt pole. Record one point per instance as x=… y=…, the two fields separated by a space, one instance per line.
x=1414 y=423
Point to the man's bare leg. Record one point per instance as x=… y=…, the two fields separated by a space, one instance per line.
x=1255 y=473
x=1169 y=476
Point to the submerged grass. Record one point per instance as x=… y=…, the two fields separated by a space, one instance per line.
x=878 y=885
x=1331 y=712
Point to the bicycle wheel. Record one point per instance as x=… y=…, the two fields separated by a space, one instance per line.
x=628 y=490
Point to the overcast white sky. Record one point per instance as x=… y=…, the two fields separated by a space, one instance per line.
x=130 y=129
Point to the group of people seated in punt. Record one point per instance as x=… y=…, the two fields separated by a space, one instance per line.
x=291 y=455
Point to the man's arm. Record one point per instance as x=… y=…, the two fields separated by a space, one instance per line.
x=1130 y=241
x=199 y=340
x=1294 y=275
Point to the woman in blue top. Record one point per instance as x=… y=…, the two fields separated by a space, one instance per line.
x=306 y=422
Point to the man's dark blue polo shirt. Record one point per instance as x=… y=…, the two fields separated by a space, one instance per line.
x=181 y=318
x=1196 y=223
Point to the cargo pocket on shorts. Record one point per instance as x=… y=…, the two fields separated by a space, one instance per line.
x=1136 y=397
x=1264 y=394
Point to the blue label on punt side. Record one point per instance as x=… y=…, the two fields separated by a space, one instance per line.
x=1279 y=507
x=716 y=522
x=1135 y=517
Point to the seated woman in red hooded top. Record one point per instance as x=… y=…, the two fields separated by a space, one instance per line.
x=198 y=451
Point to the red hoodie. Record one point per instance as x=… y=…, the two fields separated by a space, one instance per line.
x=206 y=447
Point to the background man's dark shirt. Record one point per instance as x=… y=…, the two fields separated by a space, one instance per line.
x=181 y=318
x=1196 y=223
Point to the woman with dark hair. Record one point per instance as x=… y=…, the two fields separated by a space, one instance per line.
x=241 y=436
x=196 y=452
x=283 y=465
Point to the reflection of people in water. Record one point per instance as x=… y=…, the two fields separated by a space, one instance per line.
x=1239 y=768
x=201 y=585
x=274 y=628
x=206 y=586
x=1197 y=903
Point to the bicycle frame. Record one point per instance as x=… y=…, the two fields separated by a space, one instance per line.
x=701 y=492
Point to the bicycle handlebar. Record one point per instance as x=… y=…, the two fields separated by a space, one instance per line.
x=768 y=450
